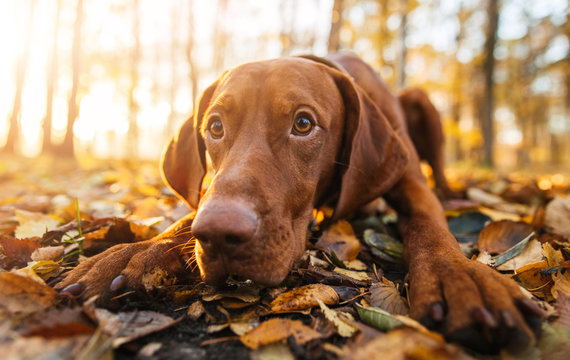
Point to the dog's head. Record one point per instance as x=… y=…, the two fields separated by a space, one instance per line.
x=284 y=136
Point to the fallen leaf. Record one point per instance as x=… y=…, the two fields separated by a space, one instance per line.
x=48 y=253
x=304 y=297
x=127 y=326
x=384 y=246
x=385 y=296
x=355 y=265
x=156 y=278
x=196 y=310
x=554 y=257
x=248 y=294
x=561 y=284
x=405 y=343
x=277 y=330
x=343 y=328
x=556 y=216
x=340 y=239
x=17 y=251
x=358 y=275
x=530 y=254
x=467 y=225
x=57 y=323
x=33 y=224
x=531 y=278
x=272 y=352
x=378 y=318
x=499 y=236
x=24 y=294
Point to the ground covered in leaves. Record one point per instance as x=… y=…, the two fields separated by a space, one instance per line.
x=346 y=298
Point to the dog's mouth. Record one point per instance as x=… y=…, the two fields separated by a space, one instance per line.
x=265 y=262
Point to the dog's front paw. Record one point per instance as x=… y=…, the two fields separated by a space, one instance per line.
x=472 y=304
x=136 y=265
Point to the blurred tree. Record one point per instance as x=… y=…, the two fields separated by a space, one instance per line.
x=52 y=76
x=220 y=36
x=489 y=71
x=404 y=9
x=67 y=146
x=190 y=53
x=173 y=88
x=133 y=136
x=336 y=24
x=21 y=67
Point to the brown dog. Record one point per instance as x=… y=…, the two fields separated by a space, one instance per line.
x=286 y=136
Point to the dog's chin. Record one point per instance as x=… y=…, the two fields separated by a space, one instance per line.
x=267 y=278
x=263 y=271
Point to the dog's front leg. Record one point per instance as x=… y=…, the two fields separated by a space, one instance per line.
x=468 y=301
x=139 y=265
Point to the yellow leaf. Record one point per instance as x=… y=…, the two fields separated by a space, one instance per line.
x=276 y=330
x=304 y=297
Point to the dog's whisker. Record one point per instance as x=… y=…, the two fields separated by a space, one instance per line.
x=184 y=228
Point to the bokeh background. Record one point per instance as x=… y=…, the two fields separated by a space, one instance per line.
x=115 y=78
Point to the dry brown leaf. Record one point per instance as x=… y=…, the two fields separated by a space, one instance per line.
x=557 y=215
x=272 y=351
x=33 y=224
x=531 y=278
x=531 y=254
x=48 y=253
x=17 y=251
x=385 y=296
x=404 y=343
x=127 y=326
x=344 y=329
x=357 y=275
x=57 y=323
x=341 y=239
x=561 y=284
x=196 y=310
x=248 y=294
x=499 y=236
x=156 y=278
x=24 y=294
x=277 y=330
x=304 y=297
x=554 y=257
x=355 y=265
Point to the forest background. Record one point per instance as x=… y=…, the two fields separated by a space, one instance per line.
x=115 y=78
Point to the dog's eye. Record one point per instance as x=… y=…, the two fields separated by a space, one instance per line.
x=216 y=129
x=302 y=125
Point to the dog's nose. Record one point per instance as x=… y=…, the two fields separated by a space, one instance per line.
x=222 y=224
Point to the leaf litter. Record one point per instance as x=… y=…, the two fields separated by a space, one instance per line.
x=351 y=275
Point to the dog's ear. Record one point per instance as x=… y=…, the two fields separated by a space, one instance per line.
x=373 y=155
x=183 y=161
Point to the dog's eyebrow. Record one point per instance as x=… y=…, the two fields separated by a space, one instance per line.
x=225 y=101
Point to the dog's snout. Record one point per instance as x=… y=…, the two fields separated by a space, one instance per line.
x=222 y=224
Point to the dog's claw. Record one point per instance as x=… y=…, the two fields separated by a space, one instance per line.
x=118 y=283
x=437 y=313
x=530 y=308
x=73 y=289
x=483 y=316
x=508 y=319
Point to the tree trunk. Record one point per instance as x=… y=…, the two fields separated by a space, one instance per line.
x=190 y=47
x=336 y=24
x=383 y=36
x=66 y=148
x=21 y=67
x=457 y=87
x=47 y=145
x=489 y=71
x=220 y=36
x=403 y=49
x=174 y=28
x=133 y=136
